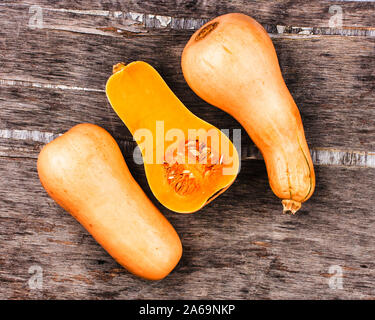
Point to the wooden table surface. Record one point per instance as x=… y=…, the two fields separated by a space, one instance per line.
x=55 y=58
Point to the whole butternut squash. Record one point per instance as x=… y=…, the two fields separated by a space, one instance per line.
x=84 y=172
x=188 y=162
x=231 y=63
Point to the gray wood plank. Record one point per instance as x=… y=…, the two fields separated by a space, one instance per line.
x=84 y=60
x=333 y=90
x=282 y=12
x=239 y=246
x=56 y=111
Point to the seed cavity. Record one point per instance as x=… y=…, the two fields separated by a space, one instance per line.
x=184 y=175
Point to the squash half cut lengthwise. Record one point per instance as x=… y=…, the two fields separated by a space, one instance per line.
x=188 y=162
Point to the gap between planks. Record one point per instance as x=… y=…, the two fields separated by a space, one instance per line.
x=32 y=84
x=133 y=23
x=320 y=156
x=163 y=22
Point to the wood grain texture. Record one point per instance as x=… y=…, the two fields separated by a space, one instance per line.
x=277 y=12
x=329 y=78
x=240 y=246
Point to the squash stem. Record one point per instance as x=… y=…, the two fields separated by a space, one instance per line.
x=291 y=206
x=118 y=67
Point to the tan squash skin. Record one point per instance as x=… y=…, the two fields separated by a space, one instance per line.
x=84 y=172
x=232 y=64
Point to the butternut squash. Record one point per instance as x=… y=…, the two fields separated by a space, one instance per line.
x=188 y=162
x=85 y=173
x=231 y=63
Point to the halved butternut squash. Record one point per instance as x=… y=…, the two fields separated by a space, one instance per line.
x=188 y=162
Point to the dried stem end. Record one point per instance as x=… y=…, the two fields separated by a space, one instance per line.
x=290 y=206
x=206 y=30
x=118 y=67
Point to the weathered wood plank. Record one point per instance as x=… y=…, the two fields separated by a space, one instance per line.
x=310 y=65
x=55 y=111
x=334 y=91
x=240 y=246
x=275 y=12
x=129 y=23
x=83 y=60
x=329 y=118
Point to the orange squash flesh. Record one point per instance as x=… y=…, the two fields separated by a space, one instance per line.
x=84 y=172
x=198 y=169
x=231 y=63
